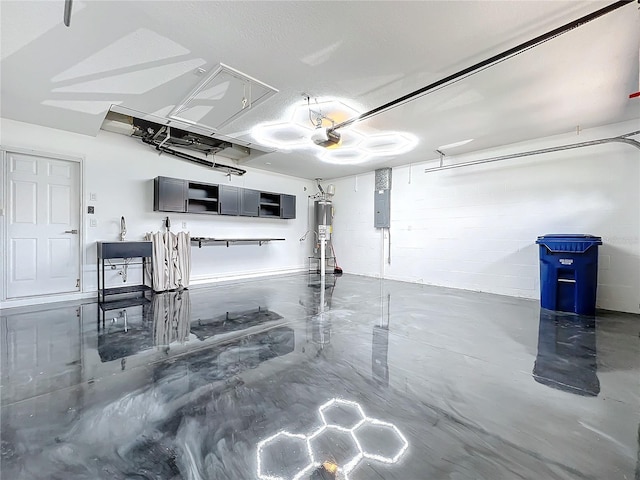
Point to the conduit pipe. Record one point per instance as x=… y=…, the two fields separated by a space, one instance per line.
x=621 y=139
x=201 y=161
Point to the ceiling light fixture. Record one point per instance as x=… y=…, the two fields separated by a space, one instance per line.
x=310 y=126
x=389 y=143
x=325 y=137
x=283 y=136
x=345 y=156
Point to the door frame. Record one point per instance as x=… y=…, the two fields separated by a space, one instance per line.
x=4 y=230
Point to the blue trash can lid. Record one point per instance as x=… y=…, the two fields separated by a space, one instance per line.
x=575 y=243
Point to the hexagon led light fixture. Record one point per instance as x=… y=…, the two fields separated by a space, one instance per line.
x=284 y=136
x=306 y=119
x=392 y=143
x=344 y=156
x=325 y=114
x=349 y=138
x=346 y=432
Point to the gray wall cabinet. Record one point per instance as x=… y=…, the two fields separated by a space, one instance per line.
x=170 y=195
x=185 y=196
x=229 y=200
x=287 y=206
x=250 y=202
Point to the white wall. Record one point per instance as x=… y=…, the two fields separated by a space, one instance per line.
x=120 y=170
x=474 y=227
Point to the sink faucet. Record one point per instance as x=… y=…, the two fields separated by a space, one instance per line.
x=123 y=229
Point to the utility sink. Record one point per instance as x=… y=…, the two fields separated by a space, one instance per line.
x=124 y=249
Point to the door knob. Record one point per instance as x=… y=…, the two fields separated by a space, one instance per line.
x=74 y=231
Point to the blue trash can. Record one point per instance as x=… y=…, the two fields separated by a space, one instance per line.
x=569 y=272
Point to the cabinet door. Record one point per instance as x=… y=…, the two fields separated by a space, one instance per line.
x=229 y=200
x=250 y=203
x=170 y=195
x=288 y=206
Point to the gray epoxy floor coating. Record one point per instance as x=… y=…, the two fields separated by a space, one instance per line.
x=256 y=380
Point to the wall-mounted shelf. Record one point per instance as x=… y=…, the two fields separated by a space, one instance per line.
x=204 y=241
x=185 y=196
x=125 y=302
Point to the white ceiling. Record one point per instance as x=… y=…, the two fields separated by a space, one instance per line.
x=145 y=56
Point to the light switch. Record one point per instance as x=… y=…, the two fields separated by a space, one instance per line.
x=93 y=197
x=93 y=222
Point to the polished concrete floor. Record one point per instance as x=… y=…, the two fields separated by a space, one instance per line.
x=281 y=378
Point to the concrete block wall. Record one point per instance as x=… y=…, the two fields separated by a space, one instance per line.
x=475 y=227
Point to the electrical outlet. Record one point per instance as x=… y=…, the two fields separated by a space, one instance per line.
x=184 y=225
x=93 y=222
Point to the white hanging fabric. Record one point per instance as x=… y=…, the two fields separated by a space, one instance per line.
x=184 y=257
x=171 y=260
x=171 y=317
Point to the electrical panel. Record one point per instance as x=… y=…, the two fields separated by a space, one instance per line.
x=382 y=209
x=382 y=198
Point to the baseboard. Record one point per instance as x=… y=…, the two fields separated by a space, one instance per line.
x=46 y=299
x=199 y=281
x=204 y=280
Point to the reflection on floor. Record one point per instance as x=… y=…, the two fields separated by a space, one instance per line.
x=567 y=353
x=289 y=378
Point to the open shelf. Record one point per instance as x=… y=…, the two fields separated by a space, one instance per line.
x=200 y=241
x=202 y=198
x=127 y=289
x=269 y=204
x=202 y=190
x=123 y=303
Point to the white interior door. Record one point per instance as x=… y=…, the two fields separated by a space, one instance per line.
x=43 y=225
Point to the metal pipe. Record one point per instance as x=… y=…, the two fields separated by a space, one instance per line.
x=389 y=253
x=191 y=158
x=621 y=139
x=165 y=138
x=488 y=62
x=67 y=12
x=123 y=229
x=323 y=256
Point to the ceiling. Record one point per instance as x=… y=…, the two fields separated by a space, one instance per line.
x=148 y=57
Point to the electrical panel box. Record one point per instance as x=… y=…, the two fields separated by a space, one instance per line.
x=382 y=209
